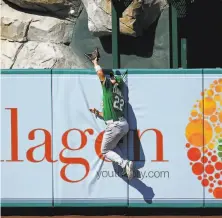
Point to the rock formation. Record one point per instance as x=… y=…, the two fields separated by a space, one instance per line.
x=37 y=33
x=60 y=8
x=35 y=41
x=136 y=15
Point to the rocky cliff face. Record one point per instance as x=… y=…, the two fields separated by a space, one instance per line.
x=37 y=33
x=59 y=8
x=35 y=41
x=136 y=15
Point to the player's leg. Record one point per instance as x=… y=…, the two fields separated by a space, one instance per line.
x=124 y=128
x=113 y=133
x=109 y=142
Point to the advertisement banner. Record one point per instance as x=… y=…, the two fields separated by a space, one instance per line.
x=160 y=108
x=212 y=98
x=26 y=126
x=81 y=177
x=51 y=142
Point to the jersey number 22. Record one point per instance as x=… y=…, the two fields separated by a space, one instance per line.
x=118 y=103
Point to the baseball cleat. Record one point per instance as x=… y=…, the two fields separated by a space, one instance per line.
x=94 y=55
x=129 y=169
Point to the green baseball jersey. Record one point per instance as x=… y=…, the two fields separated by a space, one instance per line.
x=113 y=99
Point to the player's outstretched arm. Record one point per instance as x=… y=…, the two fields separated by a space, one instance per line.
x=94 y=58
x=99 y=70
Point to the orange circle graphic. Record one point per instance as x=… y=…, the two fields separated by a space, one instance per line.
x=204 y=137
x=199 y=132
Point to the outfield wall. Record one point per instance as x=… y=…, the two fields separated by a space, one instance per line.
x=50 y=142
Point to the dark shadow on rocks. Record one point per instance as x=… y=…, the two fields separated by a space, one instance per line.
x=204 y=34
x=200 y=22
x=38 y=9
x=148 y=51
x=141 y=46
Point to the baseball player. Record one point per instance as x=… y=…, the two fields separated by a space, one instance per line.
x=112 y=114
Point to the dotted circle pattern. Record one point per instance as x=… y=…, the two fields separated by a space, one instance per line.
x=204 y=139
